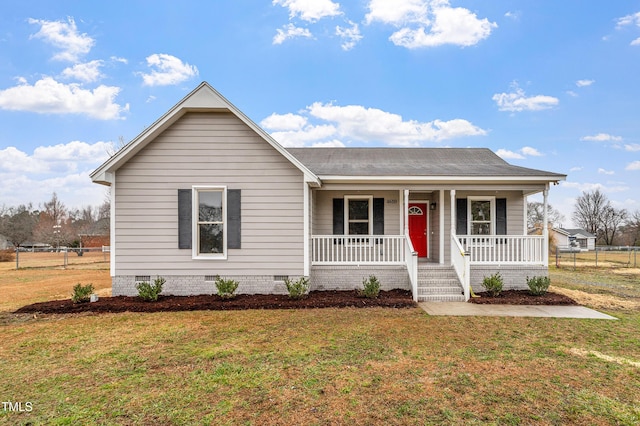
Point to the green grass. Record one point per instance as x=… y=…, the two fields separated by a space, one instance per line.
x=362 y=366
x=326 y=366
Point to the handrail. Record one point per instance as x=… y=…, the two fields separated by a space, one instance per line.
x=411 y=257
x=358 y=250
x=461 y=264
x=504 y=249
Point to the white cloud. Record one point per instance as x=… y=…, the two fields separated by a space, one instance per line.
x=87 y=72
x=350 y=35
x=633 y=19
x=167 y=70
x=287 y=122
x=601 y=137
x=290 y=31
x=572 y=93
x=329 y=144
x=527 y=150
x=429 y=24
x=327 y=124
x=118 y=59
x=57 y=158
x=513 y=15
x=584 y=83
x=575 y=169
x=371 y=124
x=602 y=171
x=517 y=101
x=65 y=37
x=509 y=155
x=301 y=137
x=310 y=11
x=588 y=186
x=520 y=154
x=633 y=166
x=397 y=12
x=48 y=96
x=632 y=147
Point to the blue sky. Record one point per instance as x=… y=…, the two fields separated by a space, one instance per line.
x=545 y=84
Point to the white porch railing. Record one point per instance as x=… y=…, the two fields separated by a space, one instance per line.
x=504 y=249
x=412 y=266
x=462 y=265
x=358 y=249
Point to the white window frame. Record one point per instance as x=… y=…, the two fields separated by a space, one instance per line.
x=369 y=199
x=470 y=220
x=195 y=244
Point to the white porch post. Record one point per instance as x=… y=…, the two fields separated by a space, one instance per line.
x=405 y=212
x=545 y=228
x=441 y=201
x=306 y=227
x=112 y=225
x=453 y=216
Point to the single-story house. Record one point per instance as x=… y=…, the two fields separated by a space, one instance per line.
x=204 y=191
x=574 y=238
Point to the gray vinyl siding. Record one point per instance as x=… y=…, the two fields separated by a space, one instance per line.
x=323 y=209
x=209 y=149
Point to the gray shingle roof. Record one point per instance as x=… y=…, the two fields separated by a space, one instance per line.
x=443 y=162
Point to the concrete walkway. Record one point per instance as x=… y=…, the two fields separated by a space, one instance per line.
x=473 y=309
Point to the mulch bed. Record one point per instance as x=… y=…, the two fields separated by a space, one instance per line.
x=522 y=297
x=315 y=299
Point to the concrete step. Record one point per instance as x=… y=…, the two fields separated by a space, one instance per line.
x=441 y=298
x=453 y=290
x=438 y=282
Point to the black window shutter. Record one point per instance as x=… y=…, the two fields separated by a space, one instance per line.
x=338 y=216
x=234 y=234
x=184 y=218
x=501 y=216
x=378 y=216
x=461 y=216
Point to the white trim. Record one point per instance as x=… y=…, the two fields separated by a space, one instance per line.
x=441 y=179
x=403 y=195
x=369 y=198
x=442 y=230
x=492 y=219
x=195 y=234
x=306 y=226
x=112 y=225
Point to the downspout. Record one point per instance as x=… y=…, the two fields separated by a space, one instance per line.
x=545 y=228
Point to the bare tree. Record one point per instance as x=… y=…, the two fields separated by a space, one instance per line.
x=54 y=224
x=589 y=209
x=535 y=215
x=594 y=213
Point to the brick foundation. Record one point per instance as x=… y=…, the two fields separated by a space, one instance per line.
x=350 y=277
x=514 y=277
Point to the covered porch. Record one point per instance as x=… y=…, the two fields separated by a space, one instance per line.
x=422 y=227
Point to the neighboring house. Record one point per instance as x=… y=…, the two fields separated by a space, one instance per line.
x=574 y=238
x=204 y=191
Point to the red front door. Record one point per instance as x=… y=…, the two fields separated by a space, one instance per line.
x=418 y=227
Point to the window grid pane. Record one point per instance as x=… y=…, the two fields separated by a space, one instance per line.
x=210 y=226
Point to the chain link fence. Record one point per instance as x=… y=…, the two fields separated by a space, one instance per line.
x=601 y=257
x=72 y=258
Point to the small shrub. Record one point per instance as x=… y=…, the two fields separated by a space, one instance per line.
x=226 y=287
x=150 y=292
x=7 y=255
x=370 y=287
x=538 y=285
x=493 y=284
x=297 y=289
x=81 y=293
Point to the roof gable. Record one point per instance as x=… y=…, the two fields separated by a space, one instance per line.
x=203 y=98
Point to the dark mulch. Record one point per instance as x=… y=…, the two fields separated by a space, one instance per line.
x=522 y=297
x=315 y=299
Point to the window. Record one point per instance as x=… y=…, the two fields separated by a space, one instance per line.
x=358 y=215
x=209 y=218
x=481 y=215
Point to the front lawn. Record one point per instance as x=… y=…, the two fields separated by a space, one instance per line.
x=326 y=366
